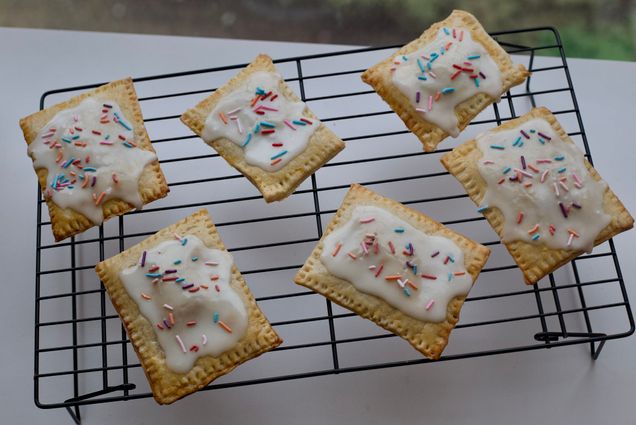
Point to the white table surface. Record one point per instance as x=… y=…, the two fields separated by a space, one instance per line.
x=559 y=386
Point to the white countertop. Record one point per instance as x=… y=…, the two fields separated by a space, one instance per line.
x=558 y=386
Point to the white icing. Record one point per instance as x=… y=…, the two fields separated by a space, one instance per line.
x=361 y=272
x=245 y=124
x=408 y=76
x=50 y=150
x=218 y=300
x=539 y=202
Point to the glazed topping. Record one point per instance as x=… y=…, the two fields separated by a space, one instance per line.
x=383 y=255
x=542 y=187
x=270 y=128
x=183 y=288
x=91 y=156
x=447 y=71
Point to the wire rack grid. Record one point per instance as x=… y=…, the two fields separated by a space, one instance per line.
x=82 y=354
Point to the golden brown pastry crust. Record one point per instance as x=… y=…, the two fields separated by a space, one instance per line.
x=427 y=337
x=66 y=222
x=534 y=260
x=166 y=385
x=379 y=77
x=323 y=144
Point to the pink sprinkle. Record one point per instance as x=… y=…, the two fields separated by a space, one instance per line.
x=267 y=108
x=488 y=162
x=364 y=247
x=204 y=339
x=379 y=270
x=556 y=189
x=544 y=175
x=168 y=307
x=105 y=142
x=577 y=179
x=176 y=235
x=525 y=173
x=578 y=185
x=430 y=304
x=544 y=161
x=570 y=239
x=420 y=110
x=238 y=125
x=181 y=344
x=430 y=103
x=564 y=186
x=367 y=220
x=211 y=263
x=288 y=124
x=234 y=111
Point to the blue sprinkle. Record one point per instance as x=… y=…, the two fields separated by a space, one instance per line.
x=450 y=276
x=64 y=139
x=482 y=209
x=107 y=137
x=476 y=82
x=399 y=230
x=446 y=31
x=128 y=145
x=448 y=90
x=506 y=170
x=404 y=58
x=257 y=128
x=215 y=317
x=81 y=176
x=89 y=169
x=179 y=280
x=407 y=292
x=421 y=77
x=247 y=139
x=536 y=236
x=542 y=141
x=414 y=268
x=69 y=162
x=559 y=158
x=260 y=91
x=278 y=155
x=442 y=50
x=123 y=124
x=153 y=275
x=177 y=262
x=497 y=147
x=194 y=258
x=184 y=241
x=421 y=65
x=267 y=124
x=471 y=57
x=517 y=141
x=561 y=170
x=533 y=130
x=451 y=258
x=77 y=136
x=299 y=122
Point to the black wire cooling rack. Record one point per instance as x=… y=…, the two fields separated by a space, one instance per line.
x=82 y=354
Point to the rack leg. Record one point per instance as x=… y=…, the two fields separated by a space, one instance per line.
x=595 y=350
x=75 y=414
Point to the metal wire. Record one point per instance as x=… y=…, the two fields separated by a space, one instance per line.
x=116 y=382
